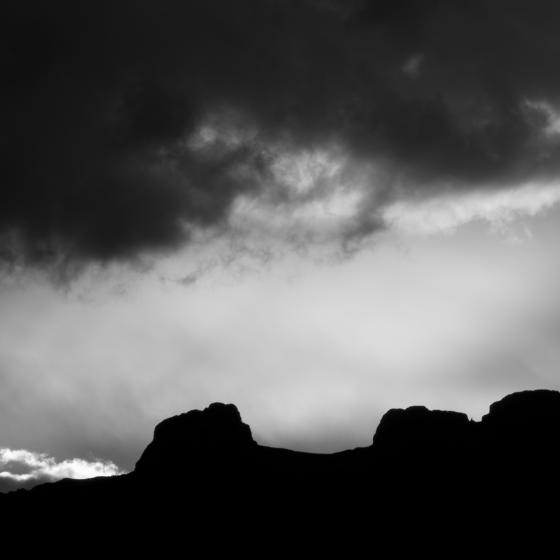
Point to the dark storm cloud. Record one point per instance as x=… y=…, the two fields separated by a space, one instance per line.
x=101 y=98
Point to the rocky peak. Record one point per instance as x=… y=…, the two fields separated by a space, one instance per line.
x=197 y=438
x=524 y=425
x=418 y=428
x=540 y=408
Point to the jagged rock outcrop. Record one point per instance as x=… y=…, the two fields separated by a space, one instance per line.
x=417 y=426
x=211 y=438
x=420 y=443
x=539 y=410
x=204 y=479
x=212 y=452
x=520 y=435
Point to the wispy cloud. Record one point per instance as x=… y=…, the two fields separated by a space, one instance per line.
x=20 y=468
x=446 y=213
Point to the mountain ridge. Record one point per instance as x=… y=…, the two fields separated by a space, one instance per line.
x=204 y=469
x=218 y=432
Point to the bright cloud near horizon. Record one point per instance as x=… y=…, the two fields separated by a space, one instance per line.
x=316 y=210
x=20 y=468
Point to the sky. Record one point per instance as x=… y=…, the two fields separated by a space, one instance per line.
x=316 y=210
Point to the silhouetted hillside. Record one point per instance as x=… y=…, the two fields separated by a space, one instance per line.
x=204 y=471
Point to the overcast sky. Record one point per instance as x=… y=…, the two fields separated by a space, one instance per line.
x=317 y=210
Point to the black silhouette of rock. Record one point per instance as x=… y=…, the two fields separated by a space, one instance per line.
x=538 y=410
x=416 y=427
x=211 y=438
x=203 y=479
x=520 y=436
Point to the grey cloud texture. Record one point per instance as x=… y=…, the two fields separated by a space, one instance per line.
x=129 y=126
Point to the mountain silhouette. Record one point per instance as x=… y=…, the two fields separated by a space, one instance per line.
x=203 y=473
x=198 y=439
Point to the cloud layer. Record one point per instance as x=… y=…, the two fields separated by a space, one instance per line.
x=20 y=468
x=129 y=126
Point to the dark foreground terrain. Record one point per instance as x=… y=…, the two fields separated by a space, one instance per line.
x=429 y=476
